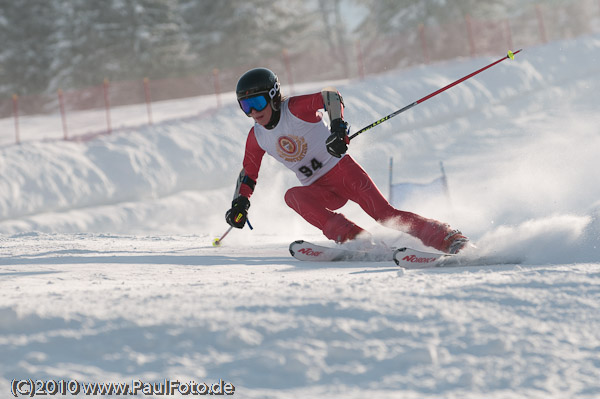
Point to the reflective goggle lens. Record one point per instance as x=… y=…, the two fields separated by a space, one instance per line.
x=258 y=103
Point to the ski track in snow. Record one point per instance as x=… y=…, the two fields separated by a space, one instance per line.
x=121 y=308
x=107 y=272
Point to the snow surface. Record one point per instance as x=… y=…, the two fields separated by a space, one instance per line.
x=108 y=273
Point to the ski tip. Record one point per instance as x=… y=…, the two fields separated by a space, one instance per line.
x=398 y=250
x=292 y=252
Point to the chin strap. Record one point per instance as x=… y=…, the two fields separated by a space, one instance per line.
x=275 y=116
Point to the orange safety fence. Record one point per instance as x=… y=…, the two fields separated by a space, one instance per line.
x=469 y=37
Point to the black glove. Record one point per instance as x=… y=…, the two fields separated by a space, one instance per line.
x=337 y=142
x=238 y=214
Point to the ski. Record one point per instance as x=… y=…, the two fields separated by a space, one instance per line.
x=410 y=258
x=308 y=251
x=405 y=257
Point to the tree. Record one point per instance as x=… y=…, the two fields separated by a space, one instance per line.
x=336 y=34
x=393 y=16
x=25 y=33
x=118 y=40
x=239 y=32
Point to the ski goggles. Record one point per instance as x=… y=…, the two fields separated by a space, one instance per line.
x=257 y=102
x=260 y=101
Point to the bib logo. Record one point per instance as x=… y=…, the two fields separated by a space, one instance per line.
x=292 y=148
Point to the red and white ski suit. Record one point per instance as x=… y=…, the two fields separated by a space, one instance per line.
x=328 y=183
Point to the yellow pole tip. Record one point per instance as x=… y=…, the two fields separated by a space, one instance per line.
x=511 y=55
x=216 y=242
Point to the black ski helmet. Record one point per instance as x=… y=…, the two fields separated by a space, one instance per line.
x=260 y=81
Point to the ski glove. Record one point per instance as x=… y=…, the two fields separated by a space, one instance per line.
x=337 y=142
x=238 y=214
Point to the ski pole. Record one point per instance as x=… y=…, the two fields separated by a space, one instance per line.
x=510 y=55
x=217 y=241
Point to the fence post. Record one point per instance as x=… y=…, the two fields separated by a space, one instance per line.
x=470 y=35
x=360 y=61
x=107 y=106
x=424 y=43
x=217 y=86
x=288 y=68
x=542 y=28
x=63 y=115
x=148 y=99
x=390 y=171
x=15 y=99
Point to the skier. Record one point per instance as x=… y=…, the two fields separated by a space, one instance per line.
x=292 y=131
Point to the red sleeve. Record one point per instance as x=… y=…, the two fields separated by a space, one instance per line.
x=306 y=107
x=252 y=160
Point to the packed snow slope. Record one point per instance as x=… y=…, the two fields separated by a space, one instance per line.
x=108 y=273
x=519 y=144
